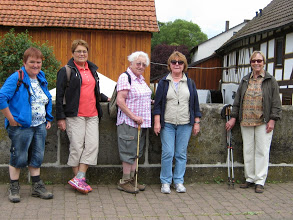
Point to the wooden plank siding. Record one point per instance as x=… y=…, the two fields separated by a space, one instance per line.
x=207 y=78
x=107 y=49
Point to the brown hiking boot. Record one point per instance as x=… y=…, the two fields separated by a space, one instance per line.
x=126 y=186
x=14 y=192
x=246 y=185
x=39 y=190
x=259 y=188
x=141 y=187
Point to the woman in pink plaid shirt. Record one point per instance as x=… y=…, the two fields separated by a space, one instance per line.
x=134 y=108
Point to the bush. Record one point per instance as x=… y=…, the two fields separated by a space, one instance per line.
x=12 y=47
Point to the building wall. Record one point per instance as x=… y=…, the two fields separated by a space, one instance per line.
x=206 y=160
x=205 y=75
x=208 y=47
x=107 y=49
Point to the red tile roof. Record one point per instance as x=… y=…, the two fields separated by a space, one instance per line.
x=130 y=15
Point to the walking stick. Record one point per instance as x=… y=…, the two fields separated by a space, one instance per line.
x=231 y=180
x=137 y=156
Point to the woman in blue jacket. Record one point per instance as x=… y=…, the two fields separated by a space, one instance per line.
x=177 y=114
x=27 y=110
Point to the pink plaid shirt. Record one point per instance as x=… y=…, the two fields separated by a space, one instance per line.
x=138 y=100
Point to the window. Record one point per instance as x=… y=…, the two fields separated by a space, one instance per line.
x=237 y=62
x=279 y=51
x=227 y=65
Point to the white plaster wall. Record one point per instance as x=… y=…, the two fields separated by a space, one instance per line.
x=208 y=47
x=289 y=43
x=288 y=68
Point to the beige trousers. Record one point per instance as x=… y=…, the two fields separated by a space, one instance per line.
x=256 y=153
x=83 y=134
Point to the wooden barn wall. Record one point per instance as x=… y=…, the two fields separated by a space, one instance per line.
x=107 y=49
x=207 y=78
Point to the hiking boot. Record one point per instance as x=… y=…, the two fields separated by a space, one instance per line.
x=14 y=192
x=126 y=186
x=88 y=187
x=39 y=190
x=165 y=188
x=78 y=184
x=246 y=185
x=141 y=187
x=180 y=188
x=259 y=188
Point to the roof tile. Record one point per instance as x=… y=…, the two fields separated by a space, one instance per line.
x=131 y=15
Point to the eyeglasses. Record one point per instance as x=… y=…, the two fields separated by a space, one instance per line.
x=258 y=61
x=141 y=64
x=174 y=62
x=80 y=51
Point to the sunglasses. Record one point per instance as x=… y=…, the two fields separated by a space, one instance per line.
x=258 y=61
x=174 y=62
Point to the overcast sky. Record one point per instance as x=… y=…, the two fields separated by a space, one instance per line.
x=209 y=15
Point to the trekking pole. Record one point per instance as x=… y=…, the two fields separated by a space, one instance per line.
x=228 y=147
x=231 y=151
x=137 y=156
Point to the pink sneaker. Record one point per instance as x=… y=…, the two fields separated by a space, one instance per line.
x=88 y=187
x=78 y=185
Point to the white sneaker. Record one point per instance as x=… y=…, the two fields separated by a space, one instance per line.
x=165 y=188
x=180 y=188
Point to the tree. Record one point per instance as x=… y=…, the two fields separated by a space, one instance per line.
x=179 y=32
x=12 y=48
x=160 y=55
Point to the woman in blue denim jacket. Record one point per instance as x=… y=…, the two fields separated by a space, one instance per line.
x=176 y=114
x=27 y=112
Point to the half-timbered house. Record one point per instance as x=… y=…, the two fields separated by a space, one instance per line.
x=270 y=31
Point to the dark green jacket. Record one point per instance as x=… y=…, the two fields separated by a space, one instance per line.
x=271 y=98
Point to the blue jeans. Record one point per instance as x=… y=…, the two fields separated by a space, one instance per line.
x=174 y=140
x=27 y=145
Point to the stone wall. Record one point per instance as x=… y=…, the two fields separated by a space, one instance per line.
x=207 y=152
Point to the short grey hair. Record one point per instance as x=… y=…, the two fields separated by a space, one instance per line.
x=134 y=56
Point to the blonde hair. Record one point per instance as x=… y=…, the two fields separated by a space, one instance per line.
x=180 y=56
x=254 y=53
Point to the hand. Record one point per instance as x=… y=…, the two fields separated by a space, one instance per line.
x=270 y=126
x=196 y=128
x=14 y=123
x=48 y=125
x=157 y=128
x=61 y=124
x=138 y=120
x=230 y=124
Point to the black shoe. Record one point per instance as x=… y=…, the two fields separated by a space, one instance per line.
x=246 y=185
x=14 y=192
x=39 y=190
x=259 y=188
